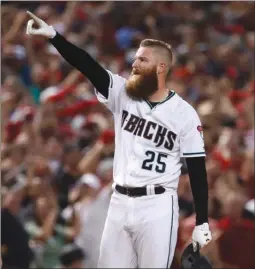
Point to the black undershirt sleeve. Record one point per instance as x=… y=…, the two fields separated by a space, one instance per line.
x=199 y=187
x=83 y=62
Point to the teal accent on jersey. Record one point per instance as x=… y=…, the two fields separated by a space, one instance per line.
x=153 y=104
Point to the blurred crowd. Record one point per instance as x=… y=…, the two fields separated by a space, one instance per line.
x=57 y=143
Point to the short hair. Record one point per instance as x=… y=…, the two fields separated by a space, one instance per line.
x=158 y=44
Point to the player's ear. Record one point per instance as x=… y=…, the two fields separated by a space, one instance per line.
x=161 y=68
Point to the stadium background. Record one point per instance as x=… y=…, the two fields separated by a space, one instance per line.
x=57 y=141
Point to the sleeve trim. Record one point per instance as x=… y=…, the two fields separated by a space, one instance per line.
x=111 y=82
x=111 y=79
x=194 y=153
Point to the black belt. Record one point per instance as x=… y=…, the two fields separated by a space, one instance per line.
x=139 y=191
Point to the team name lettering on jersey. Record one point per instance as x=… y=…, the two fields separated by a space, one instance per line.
x=148 y=130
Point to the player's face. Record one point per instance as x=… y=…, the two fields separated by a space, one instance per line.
x=143 y=80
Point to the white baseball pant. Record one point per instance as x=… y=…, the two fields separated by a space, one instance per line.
x=140 y=232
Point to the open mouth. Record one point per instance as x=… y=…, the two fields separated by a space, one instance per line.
x=135 y=73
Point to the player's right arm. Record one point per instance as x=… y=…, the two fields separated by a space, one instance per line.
x=83 y=62
x=103 y=80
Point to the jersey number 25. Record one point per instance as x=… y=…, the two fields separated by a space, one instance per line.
x=149 y=163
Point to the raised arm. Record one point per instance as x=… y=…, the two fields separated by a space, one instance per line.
x=75 y=56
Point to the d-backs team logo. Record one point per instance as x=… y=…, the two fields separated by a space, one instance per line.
x=200 y=129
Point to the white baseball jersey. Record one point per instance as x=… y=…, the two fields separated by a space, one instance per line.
x=149 y=141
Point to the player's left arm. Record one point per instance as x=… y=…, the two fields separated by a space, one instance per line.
x=199 y=186
x=192 y=149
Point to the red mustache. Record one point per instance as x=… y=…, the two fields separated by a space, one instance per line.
x=135 y=72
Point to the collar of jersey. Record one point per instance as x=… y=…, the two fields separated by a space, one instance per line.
x=171 y=94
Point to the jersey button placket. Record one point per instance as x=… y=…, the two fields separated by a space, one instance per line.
x=132 y=166
x=132 y=158
x=136 y=152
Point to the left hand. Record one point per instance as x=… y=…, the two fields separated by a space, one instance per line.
x=201 y=236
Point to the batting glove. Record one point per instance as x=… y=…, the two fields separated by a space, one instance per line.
x=201 y=236
x=44 y=29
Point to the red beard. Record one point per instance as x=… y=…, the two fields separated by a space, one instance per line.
x=141 y=86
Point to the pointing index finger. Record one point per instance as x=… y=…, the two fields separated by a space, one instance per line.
x=33 y=17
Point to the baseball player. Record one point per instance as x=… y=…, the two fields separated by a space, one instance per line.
x=154 y=128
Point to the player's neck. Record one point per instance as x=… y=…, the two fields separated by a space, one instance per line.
x=160 y=95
